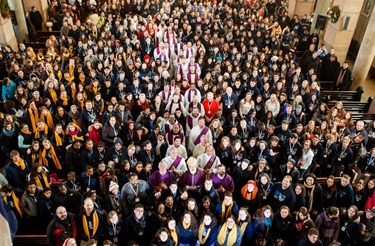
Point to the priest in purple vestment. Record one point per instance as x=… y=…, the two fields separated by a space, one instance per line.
x=222 y=181
x=192 y=179
x=162 y=178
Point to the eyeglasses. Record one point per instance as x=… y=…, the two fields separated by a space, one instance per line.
x=139 y=211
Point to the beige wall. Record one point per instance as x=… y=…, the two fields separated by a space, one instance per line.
x=41 y=5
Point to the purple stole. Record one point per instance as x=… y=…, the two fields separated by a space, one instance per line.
x=203 y=132
x=171 y=136
x=165 y=96
x=158 y=51
x=189 y=77
x=187 y=53
x=190 y=121
x=171 y=106
x=210 y=162
x=167 y=128
x=177 y=161
x=189 y=94
x=199 y=106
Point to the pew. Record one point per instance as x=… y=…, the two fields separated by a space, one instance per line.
x=326 y=85
x=354 y=106
x=326 y=96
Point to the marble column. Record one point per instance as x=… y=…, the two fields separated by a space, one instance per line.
x=21 y=19
x=366 y=54
x=7 y=36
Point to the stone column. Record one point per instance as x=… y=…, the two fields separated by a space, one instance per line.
x=301 y=7
x=7 y=36
x=366 y=54
x=339 y=36
x=17 y=6
x=320 y=9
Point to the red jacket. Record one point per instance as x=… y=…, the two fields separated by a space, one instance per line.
x=95 y=134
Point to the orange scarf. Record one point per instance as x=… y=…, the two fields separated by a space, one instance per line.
x=174 y=237
x=26 y=132
x=59 y=140
x=232 y=236
x=16 y=202
x=53 y=95
x=95 y=89
x=34 y=116
x=49 y=122
x=77 y=122
x=43 y=160
x=249 y=195
x=71 y=70
x=45 y=180
x=229 y=211
x=59 y=74
x=95 y=221
x=202 y=239
x=74 y=93
x=65 y=100
x=20 y=163
x=37 y=132
x=81 y=102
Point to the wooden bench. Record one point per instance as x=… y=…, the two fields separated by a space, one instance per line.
x=48 y=34
x=30 y=240
x=326 y=85
x=326 y=96
x=354 y=106
x=366 y=117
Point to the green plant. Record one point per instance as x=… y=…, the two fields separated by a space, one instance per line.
x=334 y=13
x=4 y=9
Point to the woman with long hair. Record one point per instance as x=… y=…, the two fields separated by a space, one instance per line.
x=207 y=230
x=282 y=226
x=246 y=226
x=173 y=231
x=224 y=152
x=301 y=224
x=73 y=132
x=188 y=228
x=162 y=238
x=39 y=174
x=246 y=104
x=229 y=233
x=329 y=192
x=350 y=227
x=300 y=192
x=265 y=186
x=217 y=131
x=370 y=201
x=113 y=228
x=262 y=225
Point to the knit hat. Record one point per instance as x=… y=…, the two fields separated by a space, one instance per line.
x=113 y=185
x=292 y=161
x=118 y=140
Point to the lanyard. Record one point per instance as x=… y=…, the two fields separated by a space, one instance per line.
x=135 y=192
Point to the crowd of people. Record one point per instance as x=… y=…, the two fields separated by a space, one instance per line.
x=182 y=123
